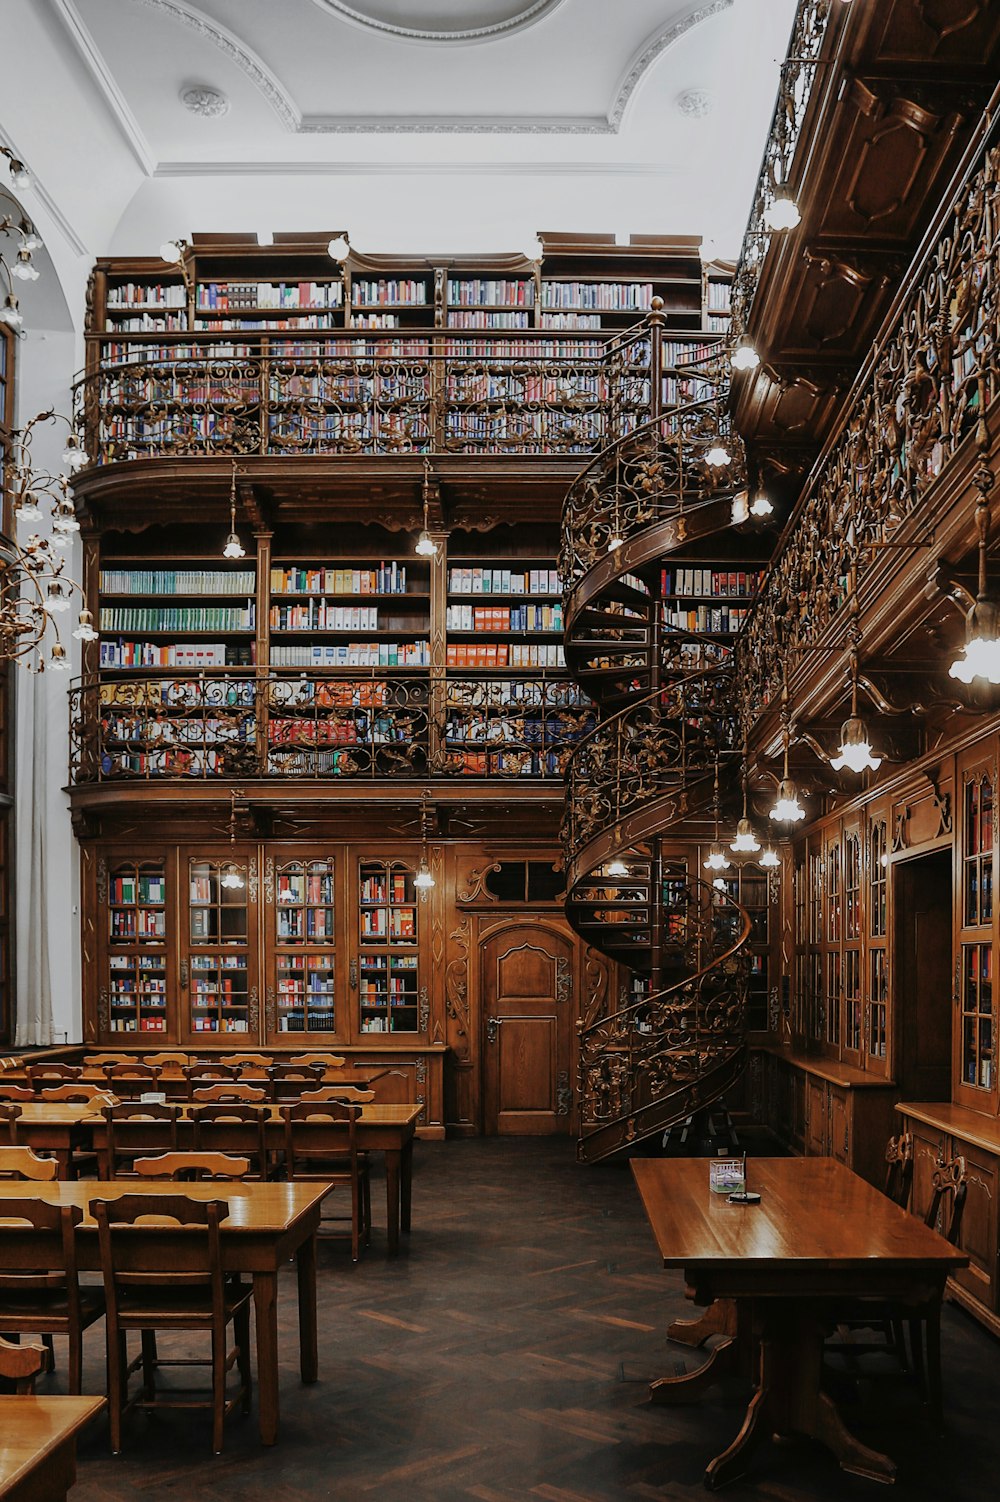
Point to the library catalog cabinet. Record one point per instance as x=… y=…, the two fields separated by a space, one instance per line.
x=222 y=944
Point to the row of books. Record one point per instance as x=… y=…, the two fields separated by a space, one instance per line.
x=387 y=1025
x=146 y=295
x=114 y=353
x=518 y=386
x=315 y=985
x=177 y=618
x=138 y=1024
x=231 y=296
x=219 y=1025
x=320 y=1020
x=341 y=732
x=318 y=616
x=137 y=961
x=137 y=924
x=521 y=428
x=177 y=581
x=726 y=618
x=379 y=654
x=212 y=962
x=293 y=321
x=394 y=887
x=509 y=763
x=504 y=618
x=710 y=582
x=314 y=889
x=139 y=654
x=125 y=891
x=514 y=730
x=187 y=732
x=501 y=693
x=482 y=319
x=329 y=694
x=386 y=579
x=210 y=694
x=389 y=292
x=501 y=655
x=388 y=923
x=148 y=323
x=468 y=291
x=571 y=321
x=150 y=990
x=719 y=296
x=610 y=297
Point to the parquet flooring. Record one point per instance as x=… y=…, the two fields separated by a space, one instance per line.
x=504 y=1358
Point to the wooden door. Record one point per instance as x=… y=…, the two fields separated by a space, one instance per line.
x=527 y=988
x=922 y=978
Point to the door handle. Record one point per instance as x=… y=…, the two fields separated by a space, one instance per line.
x=492 y=1026
x=184 y=975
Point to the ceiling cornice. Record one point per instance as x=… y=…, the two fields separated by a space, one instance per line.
x=652 y=49
x=532 y=11
x=414 y=169
x=128 y=125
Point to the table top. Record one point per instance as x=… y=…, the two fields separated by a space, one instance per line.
x=814 y=1213
x=72 y=1113
x=958 y=1121
x=31 y=1428
x=253 y=1206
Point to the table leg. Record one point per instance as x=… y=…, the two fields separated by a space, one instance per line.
x=265 y=1298
x=719 y=1319
x=305 y=1266
x=392 y=1164
x=722 y=1362
x=406 y=1186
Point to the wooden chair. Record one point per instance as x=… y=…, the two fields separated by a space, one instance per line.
x=22 y=1163
x=236 y=1127
x=200 y=1076
x=899 y=1169
x=289 y=1080
x=196 y=1165
x=242 y=1062
x=194 y=1295
x=130 y=1128
x=351 y=1094
x=331 y=1154
x=319 y=1060
x=131 y=1080
x=945 y=1212
x=81 y=1093
x=101 y=1060
x=9 y=1115
x=20 y=1365
x=54 y=1073
x=232 y=1091
x=167 y=1060
x=16 y=1092
x=46 y=1299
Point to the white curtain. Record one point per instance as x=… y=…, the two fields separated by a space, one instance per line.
x=34 y=1024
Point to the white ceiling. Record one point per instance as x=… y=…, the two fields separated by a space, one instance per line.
x=414 y=124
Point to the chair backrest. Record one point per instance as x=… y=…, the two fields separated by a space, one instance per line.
x=132 y=1069
x=320 y=1060
x=949 y=1189
x=101 y=1060
x=198 y=1072
x=231 y=1091
x=139 y=1127
x=81 y=1092
x=54 y=1071
x=289 y=1080
x=56 y=1252
x=8 y=1123
x=167 y=1060
x=21 y=1364
x=899 y=1168
x=22 y=1163
x=236 y=1126
x=16 y=1092
x=195 y=1165
x=134 y=1248
x=349 y=1094
x=244 y=1061
x=339 y=1132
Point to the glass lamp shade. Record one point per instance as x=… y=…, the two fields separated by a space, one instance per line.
x=745 y=842
x=782 y=213
x=22 y=267
x=232 y=879
x=73 y=456
x=20 y=176
x=716 y=860
x=423 y=880
x=855 y=748
x=56 y=601
x=426 y=547
x=338 y=248
x=761 y=507
x=234 y=548
x=58 y=661
x=85 y=630
x=982 y=644
x=617 y=867
x=171 y=251
x=10 y=313
x=718 y=456
x=744 y=356
x=770 y=858
x=787 y=808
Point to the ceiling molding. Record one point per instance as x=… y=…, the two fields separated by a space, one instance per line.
x=38 y=193
x=414 y=169
x=128 y=125
x=437 y=125
x=531 y=12
x=238 y=53
x=653 y=49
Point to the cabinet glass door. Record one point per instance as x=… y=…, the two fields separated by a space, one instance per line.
x=135 y=983
x=304 y=947
x=390 y=997
x=221 y=990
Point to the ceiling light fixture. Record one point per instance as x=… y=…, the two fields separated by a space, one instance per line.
x=425 y=545
x=744 y=842
x=787 y=808
x=744 y=356
x=717 y=455
x=232 y=877
x=233 y=548
x=339 y=248
x=424 y=879
x=855 y=751
x=23 y=268
x=762 y=507
x=716 y=860
x=982 y=622
x=20 y=177
x=782 y=213
x=770 y=858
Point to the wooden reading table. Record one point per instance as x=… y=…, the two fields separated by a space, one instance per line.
x=57 y=1126
x=819 y=1234
x=266 y=1225
x=38 y=1445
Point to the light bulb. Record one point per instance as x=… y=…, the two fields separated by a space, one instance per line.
x=85 y=630
x=423 y=880
x=761 y=507
x=855 y=748
x=745 y=842
x=770 y=858
x=741 y=508
x=787 y=809
x=171 y=251
x=616 y=867
x=233 y=548
x=58 y=661
x=425 y=545
x=716 y=860
x=22 y=267
x=73 y=456
x=10 y=313
x=782 y=213
x=744 y=356
x=265 y=237
x=338 y=249
x=56 y=601
x=718 y=456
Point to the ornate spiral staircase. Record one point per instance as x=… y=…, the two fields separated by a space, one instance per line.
x=667 y=705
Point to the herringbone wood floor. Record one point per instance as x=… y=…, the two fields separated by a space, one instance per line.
x=504 y=1358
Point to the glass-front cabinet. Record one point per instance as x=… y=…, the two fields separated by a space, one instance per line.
x=218 y=979
x=135 y=936
x=302 y=903
x=391 y=998
x=975 y=1041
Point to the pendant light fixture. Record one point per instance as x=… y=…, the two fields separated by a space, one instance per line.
x=232 y=877
x=744 y=842
x=234 y=548
x=770 y=859
x=423 y=880
x=717 y=859
x=982 y=623
x=787 y=808
x=855 y=751
x=425 y=546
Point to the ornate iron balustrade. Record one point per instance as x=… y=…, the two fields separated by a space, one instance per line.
x=653 y=474
x=667 y=1050
x=657 y=746
x=920 y=395
x=230 y=723
x=365 y=391
x=799 y=72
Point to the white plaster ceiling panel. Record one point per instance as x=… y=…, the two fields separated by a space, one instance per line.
x=453 y=21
